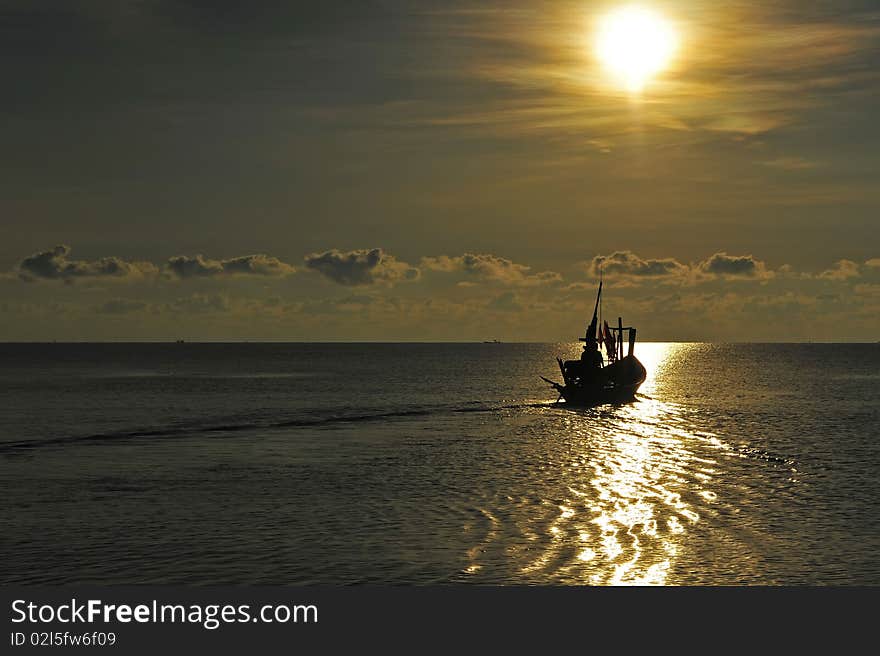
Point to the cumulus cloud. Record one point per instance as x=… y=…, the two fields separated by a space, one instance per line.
x=55 y=265
x=198 y=266
x=361 y=267
x=491 y=267
x=630 y=269
x=842 y=270
x=734 y=266
x=627 y=263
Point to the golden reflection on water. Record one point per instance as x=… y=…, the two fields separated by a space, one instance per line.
x=634 y=480
x=637 y=505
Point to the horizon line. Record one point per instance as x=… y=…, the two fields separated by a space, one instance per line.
x=226 y=340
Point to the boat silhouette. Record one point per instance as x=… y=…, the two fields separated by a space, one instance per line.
x=594 y=380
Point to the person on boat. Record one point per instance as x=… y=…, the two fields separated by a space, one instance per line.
x=592 y=355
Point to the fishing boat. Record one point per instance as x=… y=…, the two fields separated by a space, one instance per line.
x=594 y=379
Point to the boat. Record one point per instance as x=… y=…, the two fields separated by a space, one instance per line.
x=596 y=380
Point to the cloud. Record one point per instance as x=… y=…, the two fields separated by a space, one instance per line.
x=628 y=264
x=761 y=67
x=628 y=268
x=842 y=270
x=491 y=267
x=120 y=306
x=734 y=266
x=361 y=267
x=198 y=266
x=54 y=265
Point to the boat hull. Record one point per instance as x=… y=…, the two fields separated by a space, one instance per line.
x=616 y=383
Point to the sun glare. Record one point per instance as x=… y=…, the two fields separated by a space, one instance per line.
x=634 y=44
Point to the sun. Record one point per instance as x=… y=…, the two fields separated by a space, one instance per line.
x=634 y=44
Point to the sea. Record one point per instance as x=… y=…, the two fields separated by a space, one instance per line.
x=293 y=463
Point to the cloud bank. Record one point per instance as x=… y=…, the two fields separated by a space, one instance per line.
x=470 y=296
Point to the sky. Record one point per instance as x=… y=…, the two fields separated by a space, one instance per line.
x=425 y=170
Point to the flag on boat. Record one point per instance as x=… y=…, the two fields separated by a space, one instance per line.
x=609 y=342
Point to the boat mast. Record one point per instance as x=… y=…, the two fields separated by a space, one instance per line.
x=591 y=330
x=601 y=278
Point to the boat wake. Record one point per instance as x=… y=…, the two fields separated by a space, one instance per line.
x=220 y=428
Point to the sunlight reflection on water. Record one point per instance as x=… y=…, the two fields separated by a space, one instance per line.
x=633 y=477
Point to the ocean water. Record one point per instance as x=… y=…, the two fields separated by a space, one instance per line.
x=436 y=463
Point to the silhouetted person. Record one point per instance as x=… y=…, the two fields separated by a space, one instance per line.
x=592 y=356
